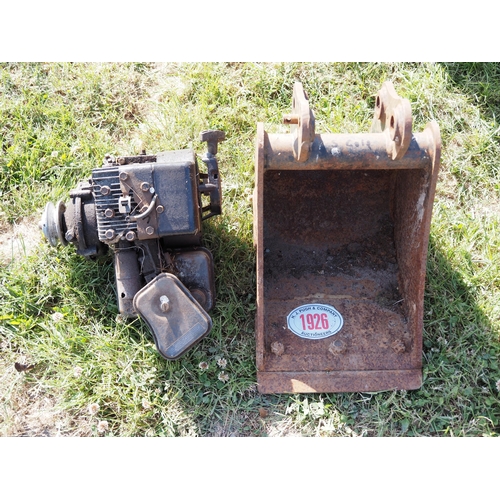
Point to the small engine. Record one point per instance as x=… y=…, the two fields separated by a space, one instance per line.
x=148 y=210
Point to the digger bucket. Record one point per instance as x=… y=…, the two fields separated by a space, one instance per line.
x=341 y=227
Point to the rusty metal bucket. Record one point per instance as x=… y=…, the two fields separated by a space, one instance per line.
x=341 y=227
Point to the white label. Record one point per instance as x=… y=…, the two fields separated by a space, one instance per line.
x=314 y=321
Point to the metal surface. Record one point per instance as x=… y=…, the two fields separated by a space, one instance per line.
x=346 y=226
x=195 y=268
x=51 y=223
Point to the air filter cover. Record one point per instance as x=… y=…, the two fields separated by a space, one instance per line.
x=176 y=319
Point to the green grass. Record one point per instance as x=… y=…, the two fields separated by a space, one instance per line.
x=58 y=311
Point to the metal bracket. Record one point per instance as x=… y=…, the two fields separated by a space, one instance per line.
x=393 y=117
x=210 y=182
x=302 y=123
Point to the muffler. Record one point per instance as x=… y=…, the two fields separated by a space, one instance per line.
x=341 y=228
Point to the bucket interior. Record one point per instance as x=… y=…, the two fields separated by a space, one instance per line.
x=329 y=238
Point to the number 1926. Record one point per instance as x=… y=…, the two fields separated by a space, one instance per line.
x=315 y=321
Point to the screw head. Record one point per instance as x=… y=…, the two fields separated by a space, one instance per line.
x=337 y=347
x=164 y=303
x=398 y=346
x=105 y=190
x=150 y=230
x=110 y=233
x=277 y=348
x=123 y=176
x=145 y=186
x=130 y=236
x=199 y=295
x=160 y=209
x=109 y=212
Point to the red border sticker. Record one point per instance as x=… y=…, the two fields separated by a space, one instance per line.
x=315 y=321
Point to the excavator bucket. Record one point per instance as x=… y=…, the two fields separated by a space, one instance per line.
x=341 y=228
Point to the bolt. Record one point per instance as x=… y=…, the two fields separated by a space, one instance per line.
x=130 y=236
x=69 y=236
x=123 y=176
x=212 y=138
x=105 y=190
x=109 y=234
x=164 y=303
x=109 y=212
x=144 y=186
x=199 y=296
x=277 y=348
x=150 y=230
x=291 y=119
x=159 y=209
x=398 y=346
x=337 y=347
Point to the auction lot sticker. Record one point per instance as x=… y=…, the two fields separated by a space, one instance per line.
x=315 y=321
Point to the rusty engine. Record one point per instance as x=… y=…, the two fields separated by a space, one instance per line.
x=147 y=209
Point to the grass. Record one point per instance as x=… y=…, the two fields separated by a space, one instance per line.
x=58 y=311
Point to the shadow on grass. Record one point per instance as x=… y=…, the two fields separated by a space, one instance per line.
x=219 y=400
x=460 y=356
x=461 y=351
